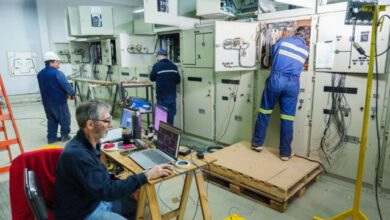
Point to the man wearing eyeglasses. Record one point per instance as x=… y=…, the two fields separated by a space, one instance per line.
x=84 y=189
x=55 y=90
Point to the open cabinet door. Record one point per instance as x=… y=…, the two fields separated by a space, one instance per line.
x=235 y=45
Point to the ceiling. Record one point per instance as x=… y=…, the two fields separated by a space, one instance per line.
x=132 y=3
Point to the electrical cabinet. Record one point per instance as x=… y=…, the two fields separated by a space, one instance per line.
x=168 y=13
x=79 y=51
x=135 y=50
x=63 y=51
x=342 y=139
x=386 y=169
x=197 y=47
x=234 y=104
x=213 y=9
x=235 y=46
x=335 y=50
x=89 y=21
x=108 y=52
x=198 y=102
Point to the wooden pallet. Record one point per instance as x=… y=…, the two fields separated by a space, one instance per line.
x=262 y=177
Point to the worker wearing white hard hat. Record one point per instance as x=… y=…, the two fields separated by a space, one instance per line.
x=55 y=90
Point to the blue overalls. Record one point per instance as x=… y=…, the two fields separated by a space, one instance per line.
x=167 y=77
x=54 y=89
x=289 y=56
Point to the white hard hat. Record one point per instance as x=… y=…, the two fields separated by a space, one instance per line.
x=51 y=56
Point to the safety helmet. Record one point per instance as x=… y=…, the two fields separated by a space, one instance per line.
x=51 y=56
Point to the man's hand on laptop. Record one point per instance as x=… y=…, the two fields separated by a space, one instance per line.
x=158 y=171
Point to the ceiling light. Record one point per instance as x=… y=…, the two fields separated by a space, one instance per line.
x=138 y=11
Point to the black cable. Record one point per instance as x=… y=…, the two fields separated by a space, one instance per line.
x=377 y=128
x=338 y=111
x=231 y=112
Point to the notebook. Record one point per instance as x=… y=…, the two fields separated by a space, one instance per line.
x=166 y=151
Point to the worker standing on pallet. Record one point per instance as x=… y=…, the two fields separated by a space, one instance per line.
x=289 y=55
x=167 y=76
x=55 y=89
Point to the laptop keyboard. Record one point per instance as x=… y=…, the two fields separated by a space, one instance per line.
x=155 y=157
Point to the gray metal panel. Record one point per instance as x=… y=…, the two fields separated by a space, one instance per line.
x=345 y=160
x=198 y=99
x=103 y=16
x=73 y=21
x=234 y=104
x=204 y=49
x=187 y=46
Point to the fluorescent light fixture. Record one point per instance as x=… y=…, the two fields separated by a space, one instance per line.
x=300 y=3
x=138 y=11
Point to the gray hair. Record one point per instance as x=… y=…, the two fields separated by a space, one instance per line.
x=90 y=110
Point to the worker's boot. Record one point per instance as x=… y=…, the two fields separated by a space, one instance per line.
x=257 y=148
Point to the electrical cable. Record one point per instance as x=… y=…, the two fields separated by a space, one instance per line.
x=231 y=112
x=337 y=113
x=377 y=128
x=162 y=201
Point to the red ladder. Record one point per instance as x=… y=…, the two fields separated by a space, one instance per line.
x=6 y=144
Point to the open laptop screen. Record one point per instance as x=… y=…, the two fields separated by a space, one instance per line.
x=126 y=119
x=168 y=139
x=160 y=114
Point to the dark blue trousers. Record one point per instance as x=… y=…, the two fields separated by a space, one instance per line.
x=171 y=106
x=283 y=89
x=57 y=115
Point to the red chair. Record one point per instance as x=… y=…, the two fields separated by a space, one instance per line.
x=43 y=163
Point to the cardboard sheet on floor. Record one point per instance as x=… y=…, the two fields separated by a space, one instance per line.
x=264 y=166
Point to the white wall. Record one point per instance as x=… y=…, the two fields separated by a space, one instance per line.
x=20 y=33
x=34 y=26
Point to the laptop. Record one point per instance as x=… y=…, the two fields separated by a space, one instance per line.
x=166 y=151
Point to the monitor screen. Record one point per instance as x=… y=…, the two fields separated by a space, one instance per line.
x=126 y=120
x=168 y=139
x=160 y=114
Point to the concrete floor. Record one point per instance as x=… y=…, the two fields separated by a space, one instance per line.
x=324 y=198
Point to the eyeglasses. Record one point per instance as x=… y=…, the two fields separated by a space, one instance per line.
x=107 y=120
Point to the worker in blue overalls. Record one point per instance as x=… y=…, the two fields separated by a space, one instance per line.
x=166 y=76
x=55 y=90
x=289 y=56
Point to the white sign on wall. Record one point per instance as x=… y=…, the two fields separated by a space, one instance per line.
x=22 y=63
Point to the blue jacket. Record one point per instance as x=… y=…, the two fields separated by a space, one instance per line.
x=82 y=181
x=53 y=86
x=289 y=55
x=167 y=77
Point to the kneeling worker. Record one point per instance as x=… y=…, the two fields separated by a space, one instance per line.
x=84 y=189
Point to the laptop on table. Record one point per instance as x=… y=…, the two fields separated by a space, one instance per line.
x=166 y=151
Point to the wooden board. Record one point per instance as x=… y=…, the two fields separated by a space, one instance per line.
x=263 y=171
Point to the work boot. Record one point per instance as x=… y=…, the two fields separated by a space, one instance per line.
x=283 y=158
x=257 y=148
x=65 y=138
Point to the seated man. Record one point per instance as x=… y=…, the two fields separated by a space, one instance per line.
x=83 y=188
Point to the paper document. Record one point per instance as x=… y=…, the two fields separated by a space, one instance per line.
x=325 y=55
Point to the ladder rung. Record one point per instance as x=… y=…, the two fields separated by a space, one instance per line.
x=5 y=117
x=4 y=169
x=3 y=144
